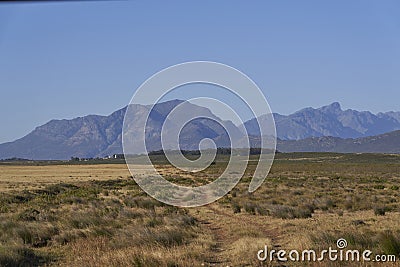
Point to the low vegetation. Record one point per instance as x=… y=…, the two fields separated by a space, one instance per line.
x=97 y=218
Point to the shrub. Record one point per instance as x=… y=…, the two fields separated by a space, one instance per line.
x=170 y=238
x=261 y=210
x=68 y=236
x=21 y=256
x=389 y=243
x=250 y=208
x=81 y=220
x=36 y=235
x=302 y=212
x=56 y=189
x=297 y=193
x=358 y=222
x=188 y=220
x=153 y=222
x=379 y=210
x=22 y=197
x=102 y=231
x=130 y=213
x=234 y=193
x=165 y=237
x=394 y=187
x=348 y=205
x=311 y=207
x=285 y=212
x=379 y=187
x=236 y=207
x=139 y=202
x=324 y=203
x=29 y=215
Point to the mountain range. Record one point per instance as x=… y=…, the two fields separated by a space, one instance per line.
x=328 y=128
x=332 y=121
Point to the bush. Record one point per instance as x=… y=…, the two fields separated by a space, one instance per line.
x=261 y=210
x=324 y=203
x=130 y=213
x=285 y=212
x=358 y=222
x=348 y=204
x=302 y=212
x=36 y=235
x=250 y=208
x=170 y=238
x=389 y=243
x=153 y=222
x=379 y=187
x=236 y=208
x=82 y=220
x=139 y=202
x=188 y=220
x=21 y=256
x=165 y=238
x=29 y=215
x=379 y=210
x=68 y=236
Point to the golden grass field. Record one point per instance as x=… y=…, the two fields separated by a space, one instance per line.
x=95 y=214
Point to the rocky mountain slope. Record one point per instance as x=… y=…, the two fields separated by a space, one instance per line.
x=330 y=120
x=384 y=143
x=98 y=136
x=328 y=128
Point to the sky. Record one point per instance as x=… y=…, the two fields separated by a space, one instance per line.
x=70 y=59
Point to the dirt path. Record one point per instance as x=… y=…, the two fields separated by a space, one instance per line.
x=237 y=237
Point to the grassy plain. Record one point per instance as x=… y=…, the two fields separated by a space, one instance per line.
x=63 y=214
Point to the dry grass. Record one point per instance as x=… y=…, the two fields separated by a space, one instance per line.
x=35 y=177
x=95 y=215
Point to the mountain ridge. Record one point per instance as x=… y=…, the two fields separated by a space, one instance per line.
x=330 y=120
x=385 y=143
x=328 y=128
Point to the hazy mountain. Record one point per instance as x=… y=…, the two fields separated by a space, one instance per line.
x=98 y=136
x=330 y=120
x=384 y=143
x=61 y=139
x=191 y=134
x=390 y=114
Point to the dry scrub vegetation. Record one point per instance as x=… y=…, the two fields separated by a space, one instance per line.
x=96 y=215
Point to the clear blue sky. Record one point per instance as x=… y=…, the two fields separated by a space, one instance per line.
x=63 y=60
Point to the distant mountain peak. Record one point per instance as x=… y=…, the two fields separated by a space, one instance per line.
x=331 y=120
x=335 y=105
x=172 y=102
x=333 y=108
